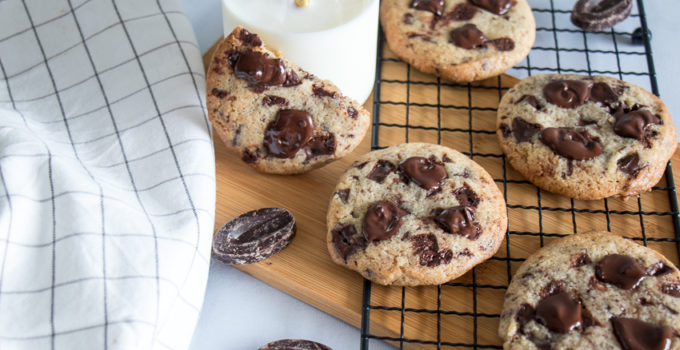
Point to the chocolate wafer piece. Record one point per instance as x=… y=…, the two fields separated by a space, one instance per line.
x=294 y=344
x=598 y=15
x=254 y=236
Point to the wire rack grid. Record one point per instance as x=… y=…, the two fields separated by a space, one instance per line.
x=411 y=106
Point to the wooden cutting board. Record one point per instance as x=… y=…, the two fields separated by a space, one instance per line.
x=305 y=270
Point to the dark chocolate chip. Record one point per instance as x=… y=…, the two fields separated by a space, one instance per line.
x=567 y=93
x=559 y=313
x=288 y=133
x=254 y=236
x=320 y=91
x=523 y=130
x=382 y=221
x=423 y=37
x=446 y=159
x=427 y=249
x=423 y=172
x=581 y=259
x=360 y=165
x=633 y=123
x=323 y=145
x=352 y=112
x=620 y=270
x=347 y=241
x=458 y=220
x=466 y=196
x=635 y=334
x=659 y=269
x=259 y=70
x=343 y=194
x=531 y=100
x=552 y=288
x=525 y=314
x=505 y=130
x=571 y=143
x=408 y=18
x=219 y=93
x=503 y=44
x=499 y=7
x=294 y=344
x=271 y=100
x=380 y=170
x=434 y=6
x=249 y=38
x=672 y=289
x=629 y=164
x=603 y=93
x=598 y=15
x=248 y=156
x=468 y=37
x=461 y=12
x=292 y=79
x=237 y=133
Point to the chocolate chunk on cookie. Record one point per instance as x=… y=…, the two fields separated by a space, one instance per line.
x=414 y=214
x=598 y=15
x=592 y=291
x=254 y=236
x=585 y=137
x=278 y=117
x=459 y=40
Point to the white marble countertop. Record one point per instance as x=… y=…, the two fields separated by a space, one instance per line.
x=240 y=312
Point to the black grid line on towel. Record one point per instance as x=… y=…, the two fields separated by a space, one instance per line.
x=553 y=32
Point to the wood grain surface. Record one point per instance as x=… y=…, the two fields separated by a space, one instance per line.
x=305 y=270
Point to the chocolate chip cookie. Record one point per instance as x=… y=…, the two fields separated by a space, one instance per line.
x=593 y=291
x=459 y=40
x=274 y=115
x=414 y=214
x=586 y=137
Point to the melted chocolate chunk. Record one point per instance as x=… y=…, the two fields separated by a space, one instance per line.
x=659 y=269
x=248 y=157
x=249 y=38
x=446 y=159
x=320 y=146
x=259 y=70
x=499 y=7
x=380 y=170
x=466 y=196
x=382 y=221
x=219 y=93
x=292 y=79
x=434 y=6
x=633 y=124
x=525 y=314
x=503 y=44
x=552 y=288
x=672 y=289
x=426 y=247
x=271 y=100
x=571 y=143
x=505 y=130
x=559 y=313
x=468 y=37
x=343 y=194
x=423 y=172
x=347 y=241
x=458 y=220
x=620 y=270
x=462 y=12
x=581 y=259
x=629 y=164
x=531 y=100
x=319 y=91
x=602 y=93
x=567 y=93
x=288 y=133
x=635 y=334
x=352 y=112
x=523 y=130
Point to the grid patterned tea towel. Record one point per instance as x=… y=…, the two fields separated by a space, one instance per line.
x=107 y=185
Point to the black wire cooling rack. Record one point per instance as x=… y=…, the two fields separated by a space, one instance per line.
x=560 y=47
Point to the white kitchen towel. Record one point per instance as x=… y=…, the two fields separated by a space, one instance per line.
x=107 y=187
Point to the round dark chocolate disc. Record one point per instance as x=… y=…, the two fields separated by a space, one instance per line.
x=254 y=236
x=294 y=344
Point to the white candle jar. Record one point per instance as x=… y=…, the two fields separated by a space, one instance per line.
x=332 y=39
